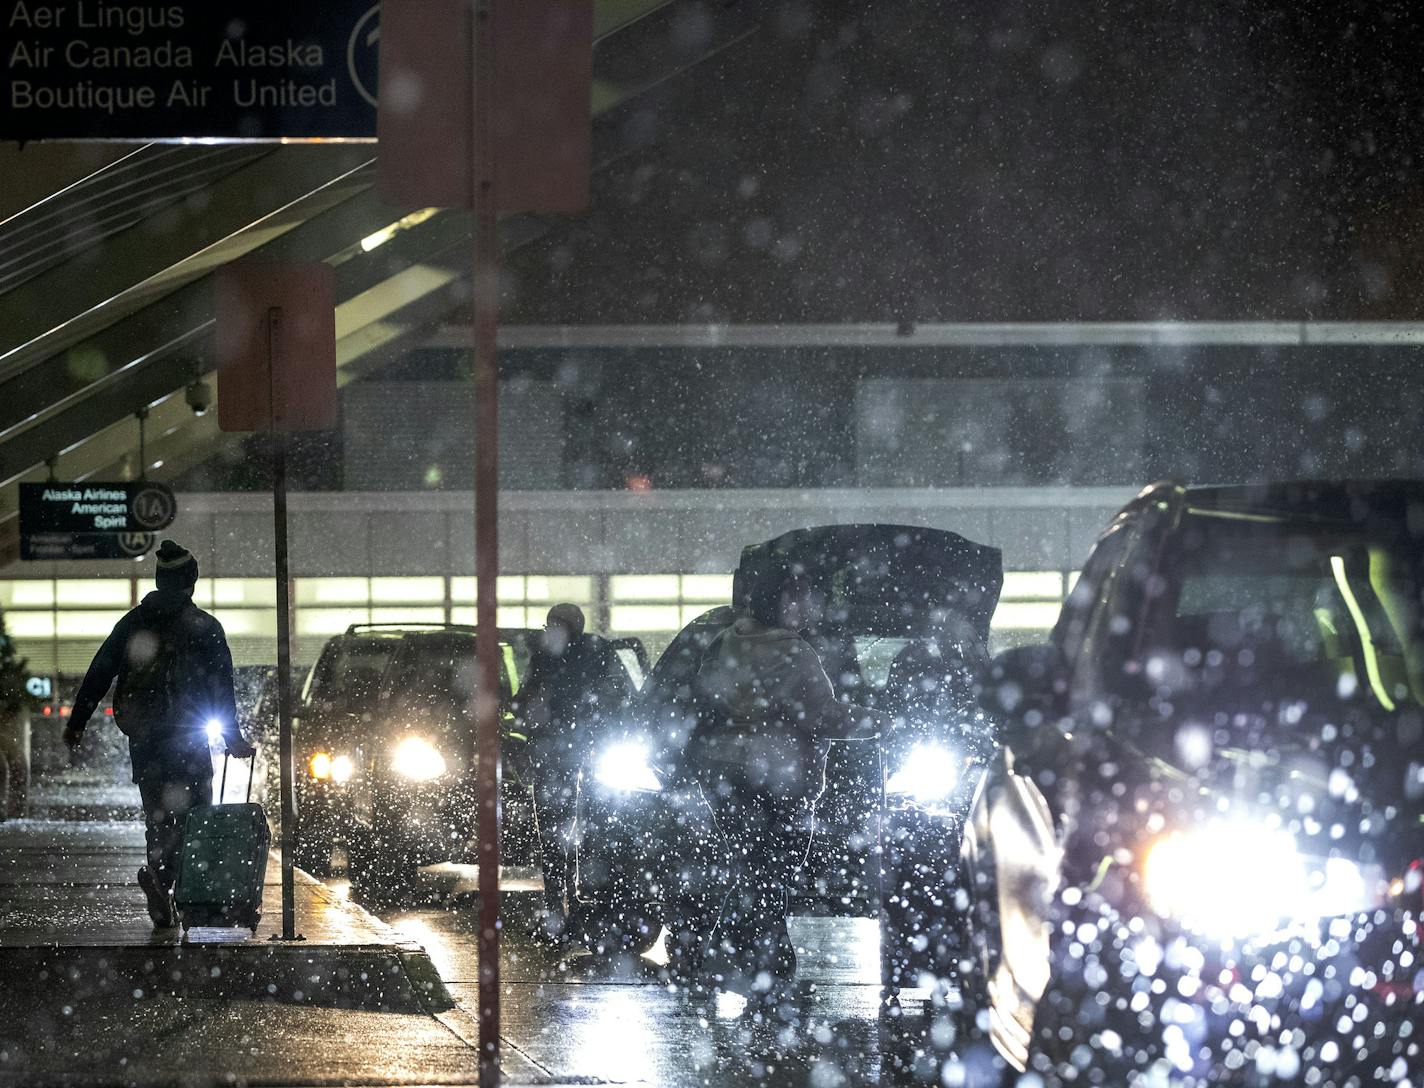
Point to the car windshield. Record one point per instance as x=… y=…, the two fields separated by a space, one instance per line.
x=349 y=673
x=432 y=674
x=1314 y=606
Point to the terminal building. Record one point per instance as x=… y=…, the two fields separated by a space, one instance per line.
x=734 y=340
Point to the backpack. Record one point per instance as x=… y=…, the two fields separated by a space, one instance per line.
x=148 y=695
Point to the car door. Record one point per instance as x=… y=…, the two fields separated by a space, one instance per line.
x=1014 y=842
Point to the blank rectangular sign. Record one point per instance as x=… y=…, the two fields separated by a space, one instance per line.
x=276 y=347
x=541 y=124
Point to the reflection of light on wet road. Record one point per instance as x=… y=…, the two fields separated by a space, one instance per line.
x=465 y=879
x=415 y=928
x=730 y=1005
x=610 y=1035
x=836 y=949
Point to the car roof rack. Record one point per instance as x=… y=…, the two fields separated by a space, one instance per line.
x=355 y=628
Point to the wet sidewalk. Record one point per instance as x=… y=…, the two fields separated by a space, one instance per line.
x=73 y=883
x=92 y=994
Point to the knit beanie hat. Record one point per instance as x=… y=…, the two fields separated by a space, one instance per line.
x=567 y=616
x=177 y=568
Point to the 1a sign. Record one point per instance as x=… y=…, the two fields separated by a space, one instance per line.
x=180 y=69
x=140 y=506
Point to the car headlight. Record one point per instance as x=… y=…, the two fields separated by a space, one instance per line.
x=214 y=730
x=625 y=768
x=1237 y=880
x=325 y=767
x=927 y=775
x=417 y=759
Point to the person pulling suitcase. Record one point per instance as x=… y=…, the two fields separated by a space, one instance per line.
x=174 y=673
x=223 y=862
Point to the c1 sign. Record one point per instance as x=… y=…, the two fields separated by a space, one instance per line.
x=183 y=69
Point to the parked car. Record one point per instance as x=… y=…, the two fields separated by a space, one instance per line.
x=648 y=846
x=331 y=724
x=407 y=797
x=1197 y=858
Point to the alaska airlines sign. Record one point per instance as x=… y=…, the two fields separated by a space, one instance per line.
x=139 y=506
x=209 y=69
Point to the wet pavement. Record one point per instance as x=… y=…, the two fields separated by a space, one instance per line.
x=576 y=1018
x=117 y=1004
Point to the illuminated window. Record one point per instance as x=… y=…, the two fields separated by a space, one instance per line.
x=524 y=599
x=715 y=588
x=329 y=621
x=249 y=622
x=27 y=594
x=324 y=591
x=236 y=593
x=87 y=624
x=245 y=592
x=93 y=592
x=1026 y=615
x=507 y=616
x=644 y=587
x=407 y=590
x=638 y=618
x=407 y=615
x=27 y=625
x=510 y=588
x=1032 y=585
x=690 y=612
x=575 y=590
x=518 y=617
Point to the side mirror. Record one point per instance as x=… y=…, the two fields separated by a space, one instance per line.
x=1025 y=691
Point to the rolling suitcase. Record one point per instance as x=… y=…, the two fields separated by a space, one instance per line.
x=223 y=863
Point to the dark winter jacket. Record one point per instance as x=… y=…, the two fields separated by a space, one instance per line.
x=770 y=708
x=169 y=637
x=568 y=698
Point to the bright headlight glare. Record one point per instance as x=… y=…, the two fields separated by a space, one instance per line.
x=417 y=759
x=320 y=766
x=215 y=731
x=624 y=768
x=1236 y=880
x=929 y=773
x=342 y=768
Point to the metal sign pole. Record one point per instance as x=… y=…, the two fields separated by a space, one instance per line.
x=284 y=632
x=485 y=320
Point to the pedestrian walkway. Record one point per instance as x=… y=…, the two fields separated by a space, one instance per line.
x=73 y=883
x=93 y=994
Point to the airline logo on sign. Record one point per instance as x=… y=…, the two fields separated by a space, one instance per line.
x=141 y=506
x=215 y=69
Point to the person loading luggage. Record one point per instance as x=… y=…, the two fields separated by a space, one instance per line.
x=174 y=673
x=575 y=684
x=768 y=708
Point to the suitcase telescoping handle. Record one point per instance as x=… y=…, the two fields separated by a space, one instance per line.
x=251 y=772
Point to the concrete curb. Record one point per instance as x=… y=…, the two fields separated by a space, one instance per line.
x=379 y=978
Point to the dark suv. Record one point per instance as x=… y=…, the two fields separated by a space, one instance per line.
x=336 y=706
x=648 y=840
x=1197 y=858
x=411 y=797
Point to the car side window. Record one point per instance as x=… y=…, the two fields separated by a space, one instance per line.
x=1079 y=625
